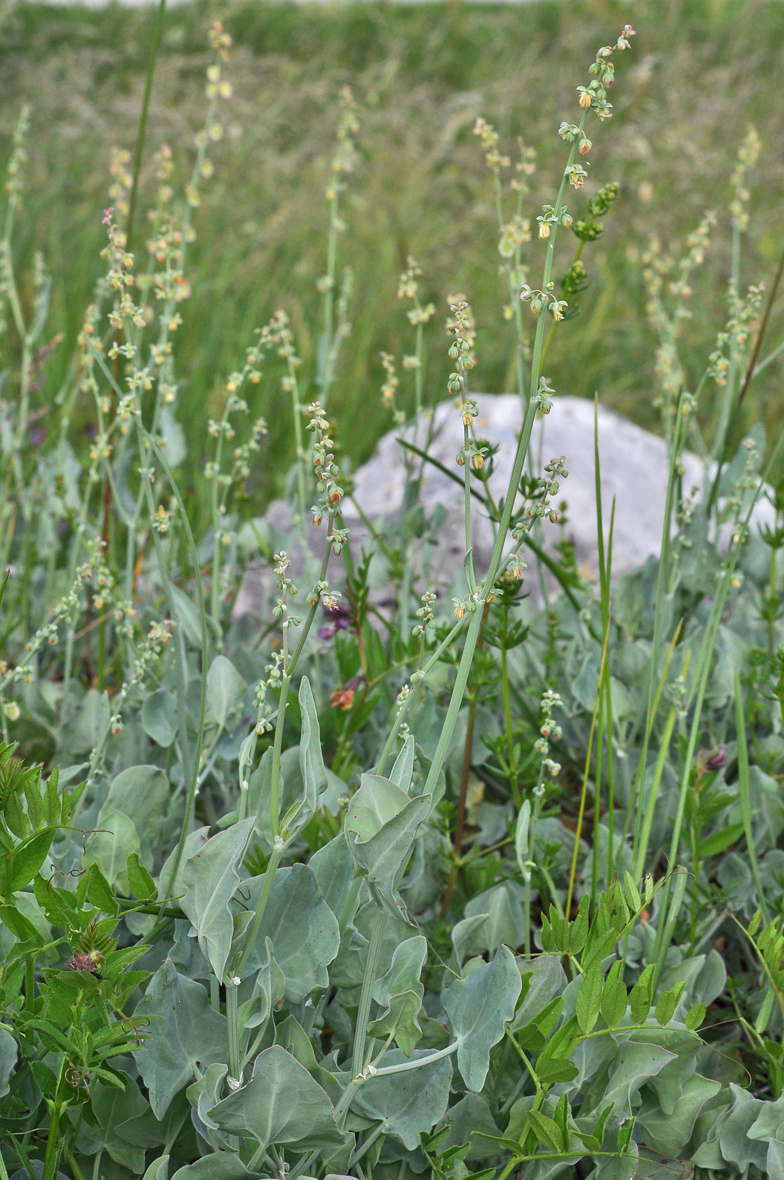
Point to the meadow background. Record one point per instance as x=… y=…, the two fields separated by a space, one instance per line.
x=702 y=70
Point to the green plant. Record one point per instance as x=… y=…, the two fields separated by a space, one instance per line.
x=311 y=901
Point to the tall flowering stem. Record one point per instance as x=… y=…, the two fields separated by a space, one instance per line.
x=592 y=97
x=461 y=326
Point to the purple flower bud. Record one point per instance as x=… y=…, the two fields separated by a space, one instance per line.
x=717 y=760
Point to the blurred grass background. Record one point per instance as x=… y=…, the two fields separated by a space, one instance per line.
x=699 y=72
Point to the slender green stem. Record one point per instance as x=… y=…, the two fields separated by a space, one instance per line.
x=289 y=668
x=249 y=940
x=586 y=773
x=745 y=800
x=417 y=1062
x=142 y=132
x=368 y=1143
x=233 y=1025
x=475 y=626
x=507 y=704
x=366 y=995
x=203 y=629
x=661 y=582
x=640 y=851
x=409 y=699
x=467 y=498
x=53 y=1141
x=523 y=1057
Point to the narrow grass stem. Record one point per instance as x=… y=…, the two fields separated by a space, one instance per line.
x=661 y=582
x=586 y=775
x=640 y=850
x=745 y=795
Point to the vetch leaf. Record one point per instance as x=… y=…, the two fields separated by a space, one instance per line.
x=20 y=926
x=561 y=1045
x=140 y=881
x=695 y=1016
x=546 y=1130
x=632 y=893
x=589 y=999
x=720 y=840
x=99 y=891
x=550 y=1072
x=578 y=929
x=614 y=995
x=28 y=858
x=478 y=1009
x=640 y=995
x=667 y=1003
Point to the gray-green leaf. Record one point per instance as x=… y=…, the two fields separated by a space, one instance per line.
x=219 y=1165
x=301 y=927
x=159 y=717
x=184 y=1031
x=225 y=690
x=407 y=1103
x=7 y=1059
x=478 y=1008
x=381 y=825
x=210 y=878
x=110 y=846
x=400 y=994
x=281 y=1104
x=141 y=793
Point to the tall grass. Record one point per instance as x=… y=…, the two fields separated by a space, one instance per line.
x=421 y=75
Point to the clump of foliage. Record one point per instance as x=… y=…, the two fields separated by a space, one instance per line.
x=445 y=887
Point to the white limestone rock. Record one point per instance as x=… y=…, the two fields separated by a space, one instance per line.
x=634 y=472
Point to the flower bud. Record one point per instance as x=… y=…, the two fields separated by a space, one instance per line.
x=544 y=230
x=585 y=99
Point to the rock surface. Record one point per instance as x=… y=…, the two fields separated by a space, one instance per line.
x=634 y=473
